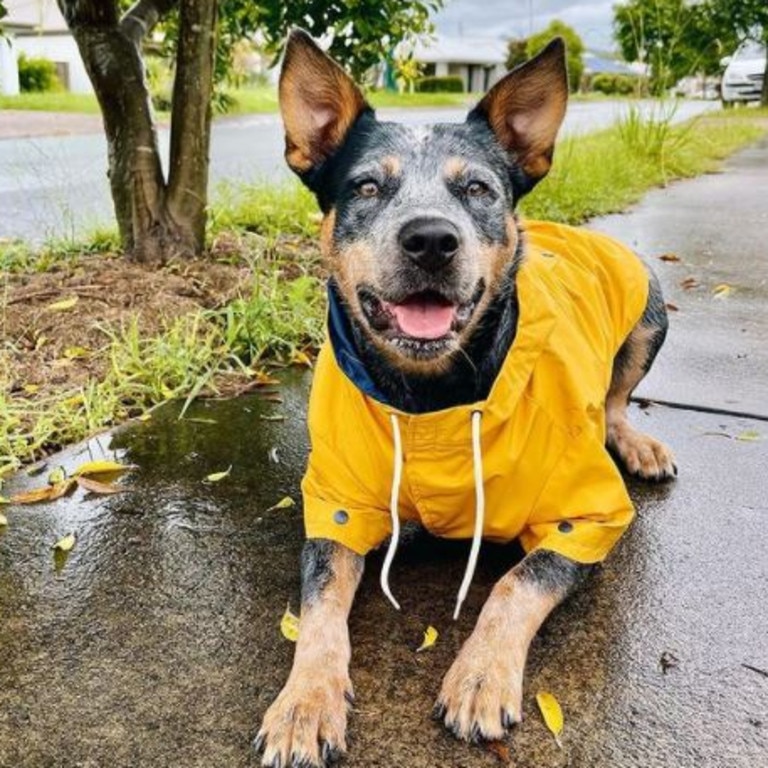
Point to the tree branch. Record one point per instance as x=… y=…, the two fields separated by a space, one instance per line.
x=140 y=19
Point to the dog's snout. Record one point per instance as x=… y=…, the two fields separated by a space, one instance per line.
x=431 y=243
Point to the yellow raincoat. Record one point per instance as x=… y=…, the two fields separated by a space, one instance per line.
x=547 y=476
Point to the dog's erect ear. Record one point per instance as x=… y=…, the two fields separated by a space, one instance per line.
x=318 y=101
x=526 y=107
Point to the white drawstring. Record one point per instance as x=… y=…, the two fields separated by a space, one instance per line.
x=477 y=536
x=393 y=513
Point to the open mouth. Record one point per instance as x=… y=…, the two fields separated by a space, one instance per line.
x=423 y=321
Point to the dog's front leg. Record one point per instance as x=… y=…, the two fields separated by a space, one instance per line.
x=481 y=696
x=307 y=722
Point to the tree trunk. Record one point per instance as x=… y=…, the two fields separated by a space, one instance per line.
x=147 y=209
x=764 y=97
x=191 y=119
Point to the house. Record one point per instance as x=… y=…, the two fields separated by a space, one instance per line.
x=479 y=62
x=38 y=29
x=9 y=68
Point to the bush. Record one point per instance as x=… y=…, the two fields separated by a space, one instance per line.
x=614 y=84
x=37 y=75
x=449 y=84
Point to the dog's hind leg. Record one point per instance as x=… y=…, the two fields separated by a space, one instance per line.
x=641 y=454
x=481 y=695
x=306 y=724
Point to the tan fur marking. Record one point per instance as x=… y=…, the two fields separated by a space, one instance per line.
x=486 y=678
x=454 y=168
x=392 y=165
x=641 y=454
x=312 y=707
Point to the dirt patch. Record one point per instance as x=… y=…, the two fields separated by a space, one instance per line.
x=53 y=325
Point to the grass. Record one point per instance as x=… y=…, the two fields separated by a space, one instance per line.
x=607 y=171
x=61 y=101
x=280 y=316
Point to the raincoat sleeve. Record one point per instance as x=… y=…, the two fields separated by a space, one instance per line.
x=349 y=467
x=584 y=508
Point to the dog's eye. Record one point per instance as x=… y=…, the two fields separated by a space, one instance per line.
x=368 y=189
x=477 y=189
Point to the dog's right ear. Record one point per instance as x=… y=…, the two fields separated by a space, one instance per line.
x=318 y=101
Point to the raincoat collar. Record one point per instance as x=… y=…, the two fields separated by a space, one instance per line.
x=535 y=324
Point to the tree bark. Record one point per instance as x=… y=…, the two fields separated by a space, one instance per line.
x=191 y=119
x=156 y=221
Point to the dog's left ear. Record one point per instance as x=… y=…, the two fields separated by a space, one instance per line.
x=526 y=107
x=319 y=103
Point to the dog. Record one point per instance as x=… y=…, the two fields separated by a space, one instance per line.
x=475 y=379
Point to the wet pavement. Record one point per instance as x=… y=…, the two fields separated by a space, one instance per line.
x=157 y=642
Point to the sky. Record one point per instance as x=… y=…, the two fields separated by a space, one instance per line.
x=511 y=18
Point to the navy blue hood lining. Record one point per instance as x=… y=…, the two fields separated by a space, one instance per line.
x=342 y=340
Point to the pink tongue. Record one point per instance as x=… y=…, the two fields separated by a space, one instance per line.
x=424 y=319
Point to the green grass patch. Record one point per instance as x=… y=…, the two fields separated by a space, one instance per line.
x=283 y=310
x=56 y=101
x=607 y=171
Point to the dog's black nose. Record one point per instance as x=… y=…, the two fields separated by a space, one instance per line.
x=430 y=242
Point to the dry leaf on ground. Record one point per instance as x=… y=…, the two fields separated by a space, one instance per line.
x=101 y=468
x=551 y=713
x=94 y=486
x=430 y=638
x=66 y=543
x=216 y=477
x=285 y=503
x=289 y=625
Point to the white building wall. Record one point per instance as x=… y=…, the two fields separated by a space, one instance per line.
x=9 y=71
x=61 y=49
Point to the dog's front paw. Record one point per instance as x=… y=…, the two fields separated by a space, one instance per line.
x=481 y=696
x=306 y=725
x=641 y=454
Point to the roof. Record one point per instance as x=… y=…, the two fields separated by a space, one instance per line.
x=37 y=16
x=461 y=50
x=594 y=63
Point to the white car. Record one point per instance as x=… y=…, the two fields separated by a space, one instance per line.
x=743 y=76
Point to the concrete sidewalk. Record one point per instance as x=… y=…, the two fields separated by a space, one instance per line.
x=157 y=643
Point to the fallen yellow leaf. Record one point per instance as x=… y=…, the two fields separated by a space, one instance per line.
x=94 y=486
x=722 y=290
x=101 y=467
x=49 y=493
x=749 y=436
x=75 y=353
x=65 y=544
x=285 y=503
x=31 y=389
x=289 y=625
x=551 y=713
x=59 y=306
x=145 y=417
x=430 y=638
x=263 y=379
x=3 y=520
x=301 y=358
x=4 y=500
x=216 y=477
x=58 y=475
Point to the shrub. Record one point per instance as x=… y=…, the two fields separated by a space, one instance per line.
x=37 y=75
x=614 y=84
x=449 y=84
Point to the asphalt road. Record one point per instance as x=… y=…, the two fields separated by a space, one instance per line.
x=57 y=186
